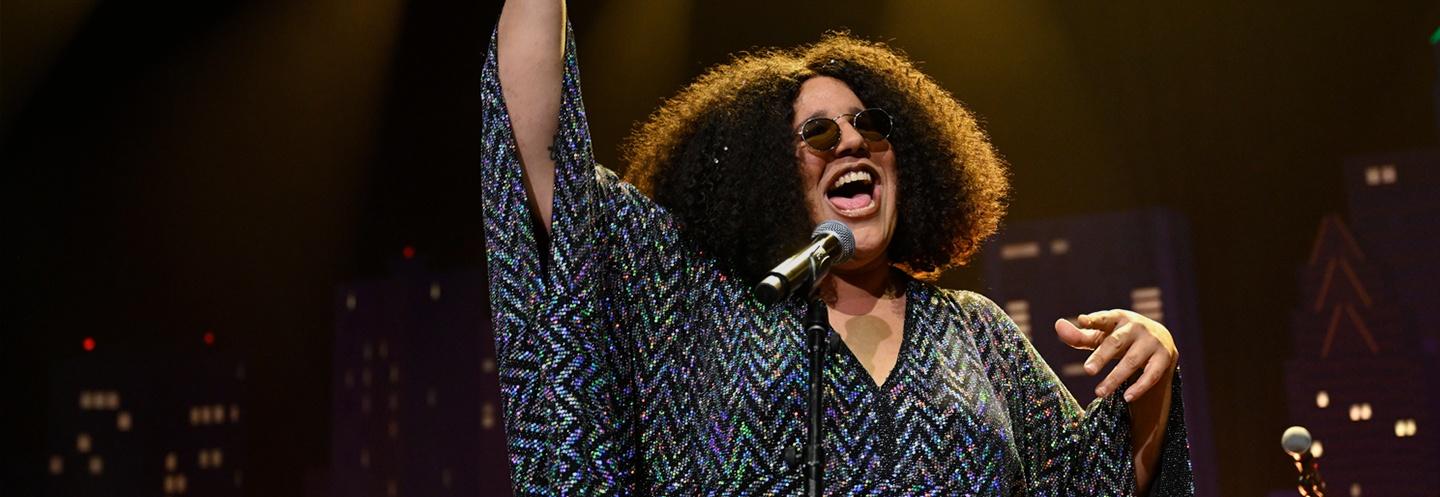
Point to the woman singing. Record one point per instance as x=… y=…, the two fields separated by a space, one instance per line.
x=634 y=360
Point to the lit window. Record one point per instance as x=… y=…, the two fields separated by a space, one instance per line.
x=434 y=291
x=1019 y=311
x=217 y=413
x=203 y=458
x=1072 y=369
x=391 y=488
x=1317 y=449
x=194 y=416
x=180 y=484
x=112 y=401
x=1355 y=490
x=171 y=462
x=97 y=465
x=169 y=485
x=123 y=421
x=82 y=443
x=1405 y=427
x=487 y=365
x=1059 y=246
x=394 y=374
x=1023 y=250
x=1360 y=412
x=1383 y=174
x=1354 y=412
x=1322 y=399
x=57 y=465
x=350 y=301
x=86 y=400
x=217 y=457
x=487 y=416
x=1146 y=301
x=384 y=349
x=234 y=413
x=1365 y=411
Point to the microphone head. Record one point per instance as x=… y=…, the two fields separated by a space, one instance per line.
x=843 y=233
x=1296 y=440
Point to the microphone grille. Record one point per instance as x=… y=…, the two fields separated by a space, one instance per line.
x=1296 y=439
x=842 y=232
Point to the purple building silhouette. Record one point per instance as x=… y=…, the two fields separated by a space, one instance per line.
x=416 y=398
x=124 y=421
x=1034 y=268
x=1362 y=378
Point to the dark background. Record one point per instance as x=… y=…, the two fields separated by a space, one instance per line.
x=172 y=168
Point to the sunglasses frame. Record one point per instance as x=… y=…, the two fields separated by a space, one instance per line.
x=836 y=120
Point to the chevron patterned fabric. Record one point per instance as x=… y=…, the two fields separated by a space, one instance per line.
x=631 y=365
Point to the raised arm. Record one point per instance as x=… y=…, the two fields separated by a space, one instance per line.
x=531 y=48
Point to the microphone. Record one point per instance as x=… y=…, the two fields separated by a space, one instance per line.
x=831 y=243
x=1296 y=441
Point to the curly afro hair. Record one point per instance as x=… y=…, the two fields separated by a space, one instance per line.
x=720 y=156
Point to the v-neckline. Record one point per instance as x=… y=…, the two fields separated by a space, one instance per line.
x=907 y=332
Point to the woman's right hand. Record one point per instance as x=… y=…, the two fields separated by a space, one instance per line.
x=530 y=46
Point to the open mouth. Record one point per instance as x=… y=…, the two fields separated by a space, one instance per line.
x=852 y=191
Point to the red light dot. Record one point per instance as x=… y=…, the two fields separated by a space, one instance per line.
x=408 y=252
x=88 y=343
x=209 y=337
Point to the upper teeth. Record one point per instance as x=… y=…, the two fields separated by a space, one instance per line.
x=852 y=177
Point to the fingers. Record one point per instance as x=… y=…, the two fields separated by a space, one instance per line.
x=1078 y=337
x=1103 y=320
x=1112 y=345
x=1156 y=368
x=1136 y=355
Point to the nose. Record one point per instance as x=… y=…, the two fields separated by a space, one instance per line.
x=851 y=143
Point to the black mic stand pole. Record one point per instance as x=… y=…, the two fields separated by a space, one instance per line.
x=817 y=330
x=1310 y=484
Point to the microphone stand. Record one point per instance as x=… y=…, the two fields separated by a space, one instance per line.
x=1310 y=484
x=817 y=330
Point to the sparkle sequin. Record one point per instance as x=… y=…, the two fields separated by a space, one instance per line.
x=630 y=364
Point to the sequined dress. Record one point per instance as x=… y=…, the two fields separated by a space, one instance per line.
x=631 y=365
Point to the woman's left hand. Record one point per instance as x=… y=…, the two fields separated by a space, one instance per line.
x=1139 y=342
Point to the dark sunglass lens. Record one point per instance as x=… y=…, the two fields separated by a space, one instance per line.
x=873 y=124
x=820 y=133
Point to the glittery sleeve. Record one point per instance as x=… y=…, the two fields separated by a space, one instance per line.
x=564 y=365
x=1066 y=450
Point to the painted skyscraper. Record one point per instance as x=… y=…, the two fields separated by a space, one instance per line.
x=1033 y=270
x=416 y=398
x=1365 y=339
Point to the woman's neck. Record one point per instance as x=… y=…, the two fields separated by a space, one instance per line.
x=857 y=291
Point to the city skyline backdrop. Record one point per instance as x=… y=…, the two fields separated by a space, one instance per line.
x=223 y=166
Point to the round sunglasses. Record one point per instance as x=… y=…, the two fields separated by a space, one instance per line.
x=822 y=134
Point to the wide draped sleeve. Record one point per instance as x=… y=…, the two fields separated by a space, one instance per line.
x=1066 y=450
x=567 y=352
